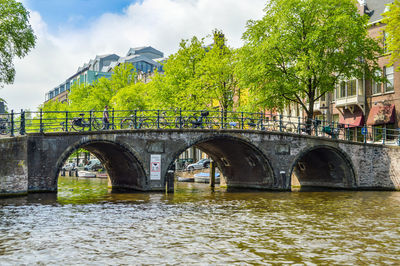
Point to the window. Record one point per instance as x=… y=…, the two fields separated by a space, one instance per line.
x=389 y=75
x=351 y=87
x=342 y=89
x=376 y=86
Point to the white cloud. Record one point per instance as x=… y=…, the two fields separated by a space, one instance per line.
x=159 y=23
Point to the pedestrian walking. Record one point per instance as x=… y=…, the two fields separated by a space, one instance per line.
x=106 y=118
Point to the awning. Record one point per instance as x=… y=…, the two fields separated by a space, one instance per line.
x=350 y=119
x=381 y=114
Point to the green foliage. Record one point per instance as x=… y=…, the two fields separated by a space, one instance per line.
x=217 y=73
x=392 y=19
x=180 y=86
x=53 y=116
x=78 y=97
x=16 y=37
x=100 y=93
x=300 y=49
x=197 y=77
x=131 y=97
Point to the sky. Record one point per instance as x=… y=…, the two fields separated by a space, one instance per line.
x=71 y=32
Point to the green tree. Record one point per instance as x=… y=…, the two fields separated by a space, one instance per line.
x=16 y=37
x=78 y=97
x=132 y=97
x=180 y=86
x=392 y=38
x=217 y=73
x=301 y=48
x=52 y=119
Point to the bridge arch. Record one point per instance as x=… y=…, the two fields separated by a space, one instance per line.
x=241 y=163
x=323 y=166
x=124 y=166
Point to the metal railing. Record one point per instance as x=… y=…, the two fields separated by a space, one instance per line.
x=14 y=124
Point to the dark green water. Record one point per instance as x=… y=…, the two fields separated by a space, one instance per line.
x=87 y=225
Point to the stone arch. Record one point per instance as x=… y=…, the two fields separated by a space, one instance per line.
x=124 y=166
x=322 y=166
x=242 y=164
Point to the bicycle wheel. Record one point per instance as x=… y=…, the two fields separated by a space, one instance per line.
x=146 y=123
x=97 y=124
x=4 y=130
x=186 y=123
x=127 y=124
x=291 y=127
x=271 y=126
x=77 y=127
x=163 y=123
x=179 y=122
x=4 y=126
x=193 y=122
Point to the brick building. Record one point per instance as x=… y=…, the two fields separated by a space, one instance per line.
x=360 y=102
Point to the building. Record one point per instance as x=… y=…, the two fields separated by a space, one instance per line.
x=144 y=59
x=360 y=102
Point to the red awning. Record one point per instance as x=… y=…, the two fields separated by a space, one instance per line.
x=381 y=114
x=350 y=119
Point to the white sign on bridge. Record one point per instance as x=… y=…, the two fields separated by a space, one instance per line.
x=155 y=167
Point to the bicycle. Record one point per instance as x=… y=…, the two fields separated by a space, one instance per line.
x=141 y=122
x=272 y=124
x=79 y=123
x=198 y=122
x=4 y=126
x=255 y=123
x=163 y=120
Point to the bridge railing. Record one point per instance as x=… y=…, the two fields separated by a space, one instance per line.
x=14 y=124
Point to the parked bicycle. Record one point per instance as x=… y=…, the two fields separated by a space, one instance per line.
x=255 y=123
x=80 y=123
x=141 y=122
x=163 y=120
x=200 y=121
x=4 y=126
x=284 y=125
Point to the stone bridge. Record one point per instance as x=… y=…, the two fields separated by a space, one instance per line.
x=247 y=159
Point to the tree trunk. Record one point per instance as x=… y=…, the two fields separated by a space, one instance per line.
x=310 y=114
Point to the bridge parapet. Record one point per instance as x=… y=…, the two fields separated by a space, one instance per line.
x=13 y=124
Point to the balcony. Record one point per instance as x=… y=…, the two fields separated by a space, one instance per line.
x=350 y=94
x=351 y=101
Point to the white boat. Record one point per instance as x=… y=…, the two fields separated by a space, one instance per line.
x=86 y=174
x=185 y=179
x=205 y=178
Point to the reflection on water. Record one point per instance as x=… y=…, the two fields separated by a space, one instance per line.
x=85 y=224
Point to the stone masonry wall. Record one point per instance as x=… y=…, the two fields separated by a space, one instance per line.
x=13 y=166
x=31 y=163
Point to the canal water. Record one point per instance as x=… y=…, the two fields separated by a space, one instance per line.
x=85 y=224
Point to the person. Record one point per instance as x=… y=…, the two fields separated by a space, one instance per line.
x=106 y=120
